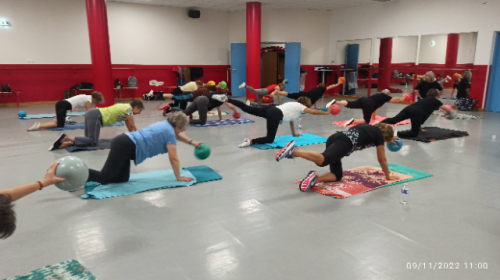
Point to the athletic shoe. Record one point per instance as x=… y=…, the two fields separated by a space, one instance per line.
x=58 y=142
x=376 y=122
x=248 y=102
x=242 y=85
x=245 y=143
x=448 y=78
x=220 y=97
x=331 y=103
x=349 y=122
x=309 y=181
x=150 y=94
x=286 y=152
x=36 y=126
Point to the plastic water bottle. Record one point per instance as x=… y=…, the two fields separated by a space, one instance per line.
x=300 y=122
x=404 y=194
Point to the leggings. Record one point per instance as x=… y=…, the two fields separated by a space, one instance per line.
x=199 y=104
x=93 y=123
x=259 y=92
x=117 y=166
x=338 y=146
x=62 y=107
x=271 y=113
x=417 y=119
x=365 y=104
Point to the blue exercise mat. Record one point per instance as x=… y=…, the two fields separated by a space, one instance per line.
x=303 y=140
x=80 y=126
x=225 y=122
x=147 y=181
x=46 y=116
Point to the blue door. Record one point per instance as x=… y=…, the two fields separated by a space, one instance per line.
x=351 y=61
x=292 y=67
x=493 y=101
x=238 y=68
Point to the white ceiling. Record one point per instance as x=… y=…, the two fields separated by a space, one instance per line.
x=239 y=5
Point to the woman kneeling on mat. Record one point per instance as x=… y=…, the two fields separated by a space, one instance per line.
x=276 y=115
x=369 y=105
x=314 y=94
x=156 y=139
x=95 y=118
x=8 y=196
x=418 y=113
x=339 y=145
x=63 y=106
x=204 y=104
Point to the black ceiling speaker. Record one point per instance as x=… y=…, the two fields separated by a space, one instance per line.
x=194 y=13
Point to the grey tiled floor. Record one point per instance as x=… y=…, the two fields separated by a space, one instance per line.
x=255 y=223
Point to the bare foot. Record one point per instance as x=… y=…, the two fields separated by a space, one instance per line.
x=423 y=130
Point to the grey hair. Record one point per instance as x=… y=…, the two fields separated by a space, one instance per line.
x=431 y=74
x=467 y=75
x=178 y=119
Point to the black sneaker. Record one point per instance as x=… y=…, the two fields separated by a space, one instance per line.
x=58 y=142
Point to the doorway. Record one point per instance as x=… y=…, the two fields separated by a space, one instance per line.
x=272 y=65
x=493 y=101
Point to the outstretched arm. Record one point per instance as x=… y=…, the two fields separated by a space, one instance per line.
x=397 y=99
x=185 y=139
x=18 y=192
x=318 y=112
x=333 y=86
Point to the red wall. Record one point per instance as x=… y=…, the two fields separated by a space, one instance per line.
x=48 y=82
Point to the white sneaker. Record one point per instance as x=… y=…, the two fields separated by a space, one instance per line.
x=248 y=102
x=150 y=94
x=242 y=85
x=220 y=97
x=349 y=122
x=330 y=103
x=68 y=120
x=376 y=122
x=245 y=143
x=448 y=78
x=36 y=126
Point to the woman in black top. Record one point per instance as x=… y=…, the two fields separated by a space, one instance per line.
x=418 y=113
x=314 y=94
x=463 y=87
x=339 y=145
x=427 y=84
x=368 y=105
x=203 y=104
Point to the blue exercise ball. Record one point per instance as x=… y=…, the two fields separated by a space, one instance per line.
x=395 y=148
x=22 y=114
x=202 y=153
x=74 y=170
x=408 y=76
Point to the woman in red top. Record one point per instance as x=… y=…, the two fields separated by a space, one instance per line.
x=264 y=91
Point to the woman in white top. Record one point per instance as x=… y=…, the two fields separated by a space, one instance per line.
x=63 y=106
x=276 y=115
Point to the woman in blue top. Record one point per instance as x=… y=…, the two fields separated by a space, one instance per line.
x=156 y=139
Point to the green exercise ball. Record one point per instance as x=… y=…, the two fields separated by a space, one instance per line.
x=74 y=170
x=223 y=85
x=202 y=153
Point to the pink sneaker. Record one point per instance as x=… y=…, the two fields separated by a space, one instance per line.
x=309 y=181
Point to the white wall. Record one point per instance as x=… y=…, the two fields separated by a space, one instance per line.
x=147 y=34
x=404 y=49
x=48 y=32
x=364 y=50
x=56 y=32
x=311 y=28
x=467 y=48
x=433 y=49
x=359 y=22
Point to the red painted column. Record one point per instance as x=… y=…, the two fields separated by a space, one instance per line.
x=253 y=46
x=385 y=61
x=99 y=48
x=452 y=54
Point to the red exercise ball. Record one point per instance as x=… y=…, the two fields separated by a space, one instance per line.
x=267 y=99
x=335 y=109
x=342 y=80
x=408 y=98
x=236 y=115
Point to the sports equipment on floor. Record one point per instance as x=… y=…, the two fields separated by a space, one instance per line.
x=335 y=109
x=74 y=170
x=395 y=148
x=21 y=114
x=202 y=153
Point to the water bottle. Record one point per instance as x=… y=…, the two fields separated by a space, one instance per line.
x=404 y=194
x=300 y=122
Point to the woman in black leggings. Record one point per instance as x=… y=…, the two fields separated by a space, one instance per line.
x=158 y=138
x=314 y=94
x=418 y=113
x=339 y=145
x=275 y=115
x=368 y=105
